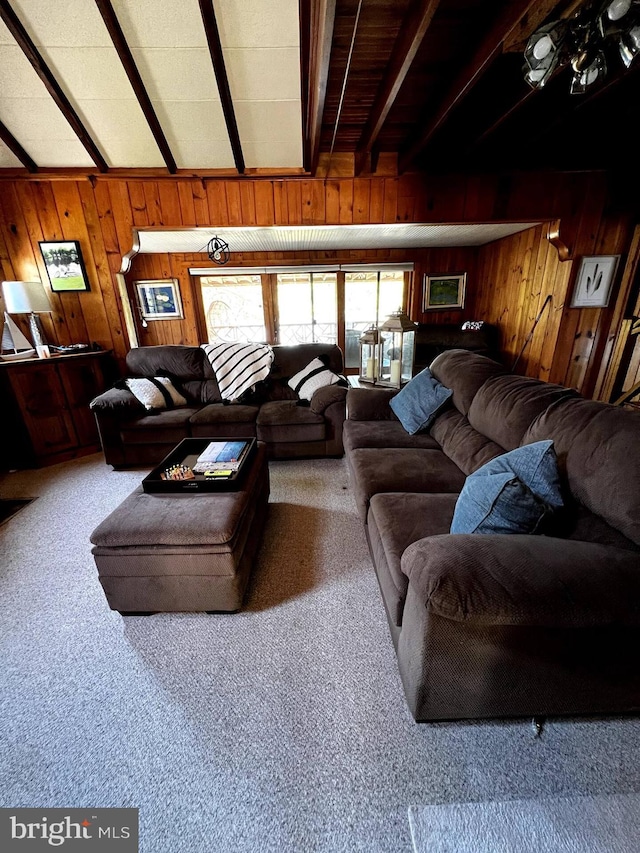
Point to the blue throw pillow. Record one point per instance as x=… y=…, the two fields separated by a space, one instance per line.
x=513 y=493
x=418 y=403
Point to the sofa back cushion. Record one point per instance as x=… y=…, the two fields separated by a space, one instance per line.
x=598 y=448
x=465 y=373
x=463 y=444
x=289 y=360
x=185 y=364
x=505 y=406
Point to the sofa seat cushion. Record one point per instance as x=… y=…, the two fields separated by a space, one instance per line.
x=395 y=521
x=217 y=413
x=463 y=444
x=165 y=427
x=284 y=420
x=219 y=420
x=401 y=469
x=383 y=434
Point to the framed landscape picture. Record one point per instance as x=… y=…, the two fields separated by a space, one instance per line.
x=443 y=291
x=159 y=299
x=593 y=284
x=65 y=267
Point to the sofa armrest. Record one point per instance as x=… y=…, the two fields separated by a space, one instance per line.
x=524 y=580
x=326 y=396
x=116 y=401
x=370 y=404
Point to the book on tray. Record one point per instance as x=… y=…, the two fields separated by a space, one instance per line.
x=221 y=455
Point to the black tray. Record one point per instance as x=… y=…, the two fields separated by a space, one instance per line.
x=186 y=453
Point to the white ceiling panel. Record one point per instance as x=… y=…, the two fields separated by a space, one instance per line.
x=260 y=41
x=149 y=23
x=48 y=22
x=319 y=237
x=90 y=73
x=263 y=74
x=40 y=127
x=262 y=55
x=196 y=133
x=31 y=115
x=256 y=23
x=177 y=74
x=8 y=159
x=273 y=155
x=170 y=51
x=125 y=137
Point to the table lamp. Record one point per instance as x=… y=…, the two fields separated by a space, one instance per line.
x=27 y=297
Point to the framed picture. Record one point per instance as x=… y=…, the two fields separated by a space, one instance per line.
x=443 y=291
x=593 y=284
x=65 y=267
x=159 y=299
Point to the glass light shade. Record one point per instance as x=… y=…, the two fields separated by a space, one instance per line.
x=396 y=350
x=586 y=77
x=542 y=47
x=25 y=297
x=542 y=52
x=369 y=341
x=630 y=45
x=618 y=9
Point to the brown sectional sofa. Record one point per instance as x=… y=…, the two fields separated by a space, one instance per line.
x=271 y=413
x=503 y=625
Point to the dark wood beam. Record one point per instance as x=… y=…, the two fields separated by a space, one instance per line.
x=217 y=58
x=126 y=58
x=51 y=84
x=13 y=145
x=413 y=30
x=322 y=18
x=472 y=71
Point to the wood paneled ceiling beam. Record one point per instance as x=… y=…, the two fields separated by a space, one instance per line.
x=126 y=58
x=489 y=49
x=413 y=30
x=320 y=16
x=51 y=84
x=13 y=145
x=217 y=58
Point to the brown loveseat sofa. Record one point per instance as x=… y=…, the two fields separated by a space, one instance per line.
x=272 y=413
x=511 y=624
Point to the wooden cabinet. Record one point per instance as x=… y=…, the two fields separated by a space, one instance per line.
x=47 y=412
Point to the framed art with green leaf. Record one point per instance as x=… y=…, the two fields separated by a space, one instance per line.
x=443 y=291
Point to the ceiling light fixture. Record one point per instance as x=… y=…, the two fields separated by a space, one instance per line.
x=218 y=251
x=584 y=42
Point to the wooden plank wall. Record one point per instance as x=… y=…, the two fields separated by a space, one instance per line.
x=100 y=212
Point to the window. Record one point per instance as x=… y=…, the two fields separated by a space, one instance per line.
x=301 y=306
x=369 y=299
x=233 y=308
x=307 y=308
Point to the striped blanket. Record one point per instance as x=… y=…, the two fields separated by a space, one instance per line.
x=238 y=366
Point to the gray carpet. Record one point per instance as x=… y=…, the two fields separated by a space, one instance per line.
x=607 y=823
x=280 y=728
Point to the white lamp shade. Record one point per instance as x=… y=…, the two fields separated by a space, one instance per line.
x=25 y=297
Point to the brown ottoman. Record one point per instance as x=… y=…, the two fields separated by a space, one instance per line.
x=187 y=551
